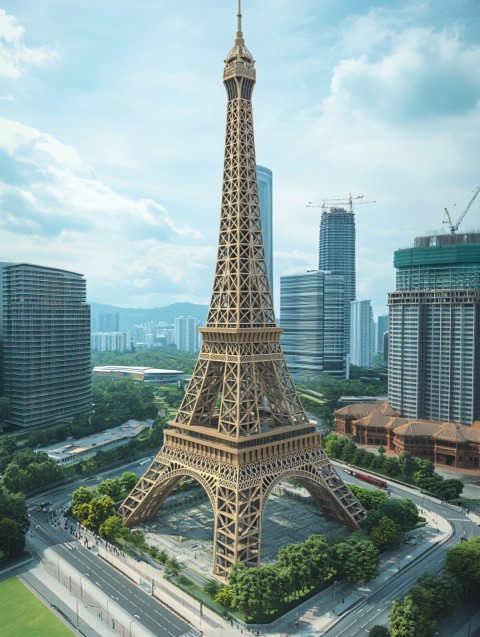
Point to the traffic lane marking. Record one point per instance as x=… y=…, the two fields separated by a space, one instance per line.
x=132 y=589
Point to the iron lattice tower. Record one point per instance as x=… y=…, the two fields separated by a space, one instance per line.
x=241 y=428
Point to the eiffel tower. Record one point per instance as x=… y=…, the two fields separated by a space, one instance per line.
x=241 y=428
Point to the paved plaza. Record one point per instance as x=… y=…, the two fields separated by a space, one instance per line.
x=184 y=527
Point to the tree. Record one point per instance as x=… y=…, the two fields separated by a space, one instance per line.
x=356 y=558
x=319 y=559
x=111 y=487
x=407 y=619
x=12 y=538
x=436 y=594
x=224 y=597
x=385 y=533
x=100 y=509
x=173 y=566
x=82 y=495
x=463 y=560
x=380 y=631
x=88 y=466
x=407 y=465
x=211 y=587
x=451 y=489
x=368 y=498
x=244 y=586
x=129 y=479
x=14 y=506
x=111 y=528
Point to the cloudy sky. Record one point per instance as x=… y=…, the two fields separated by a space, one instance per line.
x=112 y=122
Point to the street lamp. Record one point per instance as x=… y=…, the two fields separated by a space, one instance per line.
x=130 y=630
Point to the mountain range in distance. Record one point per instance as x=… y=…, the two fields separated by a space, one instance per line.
x=129 y=316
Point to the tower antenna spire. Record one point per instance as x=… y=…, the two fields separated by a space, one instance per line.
x=239 y=25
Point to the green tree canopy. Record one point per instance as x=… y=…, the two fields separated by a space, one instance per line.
x=12 y=538
x=463 y=560
x=385 y=533
x=408 y=620
x=356 y=558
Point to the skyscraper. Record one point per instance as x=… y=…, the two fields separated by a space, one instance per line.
x=186 y=334
x=337 y=254
x=312 y=314
x=381 y=328
x=265 y=194
x=241 y=427
x=434 y=334
x=46 y=344
x=362 y=333
x=108 y=322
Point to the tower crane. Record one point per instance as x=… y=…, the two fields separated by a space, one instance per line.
x=448 y=219
x=349 y=201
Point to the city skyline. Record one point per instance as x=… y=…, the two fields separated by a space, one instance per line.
x=97 y=152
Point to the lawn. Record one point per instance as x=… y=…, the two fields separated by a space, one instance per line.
x=21 y=613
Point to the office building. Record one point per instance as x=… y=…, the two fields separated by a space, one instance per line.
x=312 y=314
x=186 y=334
x=46 y=344
x=265 y=194
x=337 y=255
x=362 y=333
x=381 y=328
x=434 y=333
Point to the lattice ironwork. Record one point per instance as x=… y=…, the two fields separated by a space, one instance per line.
x=241 y=427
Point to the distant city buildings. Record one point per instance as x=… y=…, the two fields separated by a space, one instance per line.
x=265 y=193
x=337 y=255
x=108 y=342
x=312 y=314
x=362 y=333
x=381 y=327
x=434 y=333
x=186 y=334
x=106 y=322
x=46 y=344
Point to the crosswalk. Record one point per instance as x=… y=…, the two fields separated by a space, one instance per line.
x=190 y=634
x=458 y=519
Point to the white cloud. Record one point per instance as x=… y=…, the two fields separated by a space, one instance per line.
x=62 y=216
x=15 y=55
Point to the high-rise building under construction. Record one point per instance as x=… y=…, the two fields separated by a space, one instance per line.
x=434 y=333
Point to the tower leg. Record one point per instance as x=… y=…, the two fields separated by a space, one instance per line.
x=238 y=525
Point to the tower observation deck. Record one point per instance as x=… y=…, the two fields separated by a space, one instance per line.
x=241 y=428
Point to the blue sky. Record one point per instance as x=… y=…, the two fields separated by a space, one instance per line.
x=112 y=120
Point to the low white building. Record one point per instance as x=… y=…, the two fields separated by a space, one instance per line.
x=70 y=451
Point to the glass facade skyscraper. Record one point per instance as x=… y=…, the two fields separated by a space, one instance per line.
x=312 y=314
x=434 y=333
x=46 y=344
x=362 y=333
x=265 y=194
x=337 y=255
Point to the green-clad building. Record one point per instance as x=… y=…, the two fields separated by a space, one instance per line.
x=434 y=335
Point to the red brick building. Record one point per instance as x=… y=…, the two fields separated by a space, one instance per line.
x=441 y=442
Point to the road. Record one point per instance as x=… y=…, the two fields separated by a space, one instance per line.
x=375 y=609
x=137 y=603
x=356 y=623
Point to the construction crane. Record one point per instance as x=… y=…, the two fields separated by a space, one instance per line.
x=448 y=219
x=349 y=201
